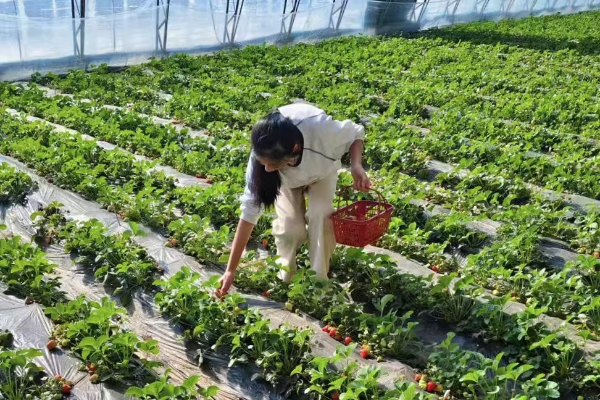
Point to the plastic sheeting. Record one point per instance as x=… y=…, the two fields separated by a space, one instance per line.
x=144 y=318
x=41 y=35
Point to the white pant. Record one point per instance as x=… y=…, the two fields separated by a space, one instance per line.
x=289 y=228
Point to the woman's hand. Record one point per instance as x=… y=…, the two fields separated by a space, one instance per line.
x=361 y=180
x=226 y=282
x=240 y=240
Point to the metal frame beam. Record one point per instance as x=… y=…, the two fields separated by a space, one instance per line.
x=233 y=13
x=337 y=12
x=419 y=10
x=451 y=4
x=162 y=25
x=480 y=6
x=78 y=23
x=505 y=10
x=287 y=19
x=17 y=13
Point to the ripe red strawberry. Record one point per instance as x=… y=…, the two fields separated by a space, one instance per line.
x=431 y=387
x=66 y=390
x=51 y=345
x=58 y=377
x=418 y=377
x=50 y=180
x=435 y=268
x=198 y=176
x=335 y=396
x=364 y=353
x=175 y=122
x=91 y=367
x=326 y=328
x=347 y=340
x=209 y=181
x=266 y=293
x=265 y=243
x=333 y=331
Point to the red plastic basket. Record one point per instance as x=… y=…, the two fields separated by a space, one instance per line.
x=362 y=223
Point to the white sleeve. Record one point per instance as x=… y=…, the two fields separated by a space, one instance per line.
x=341 y=134
x=251 y=211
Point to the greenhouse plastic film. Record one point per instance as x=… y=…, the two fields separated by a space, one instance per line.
x=39 y=36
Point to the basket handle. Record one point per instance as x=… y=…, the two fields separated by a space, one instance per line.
x=346 y=190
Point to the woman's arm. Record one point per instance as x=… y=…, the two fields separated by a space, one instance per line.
x=361 y=180
x=240 y=241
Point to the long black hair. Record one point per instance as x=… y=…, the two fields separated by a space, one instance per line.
x=274 y=138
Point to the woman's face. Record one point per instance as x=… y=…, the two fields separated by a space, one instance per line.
x=277 y=165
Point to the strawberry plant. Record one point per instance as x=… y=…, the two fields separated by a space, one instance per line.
x=114 y=259
x=162 y=389
x=94 y=332
x=14 y=185
x=24 y=268
x=21 y=378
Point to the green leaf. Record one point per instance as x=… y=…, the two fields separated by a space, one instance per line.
x=297 y=370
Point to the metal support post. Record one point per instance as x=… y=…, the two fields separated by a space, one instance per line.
x=450 y=10
x=418 y=11
x=78 y=20
x=287 y=19
x=162 y=25
x=480 y=6
x=233 y=13
x=504 y=10
x=17 y=13
x=337 y=13
x=532 y=6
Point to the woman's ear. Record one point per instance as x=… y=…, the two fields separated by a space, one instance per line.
x=296 y=148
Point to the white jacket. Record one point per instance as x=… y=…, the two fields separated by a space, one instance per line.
x=325 y=142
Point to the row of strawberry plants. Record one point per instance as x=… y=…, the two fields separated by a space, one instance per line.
x=575 y=175
x=134 y=133
x=477 y=126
